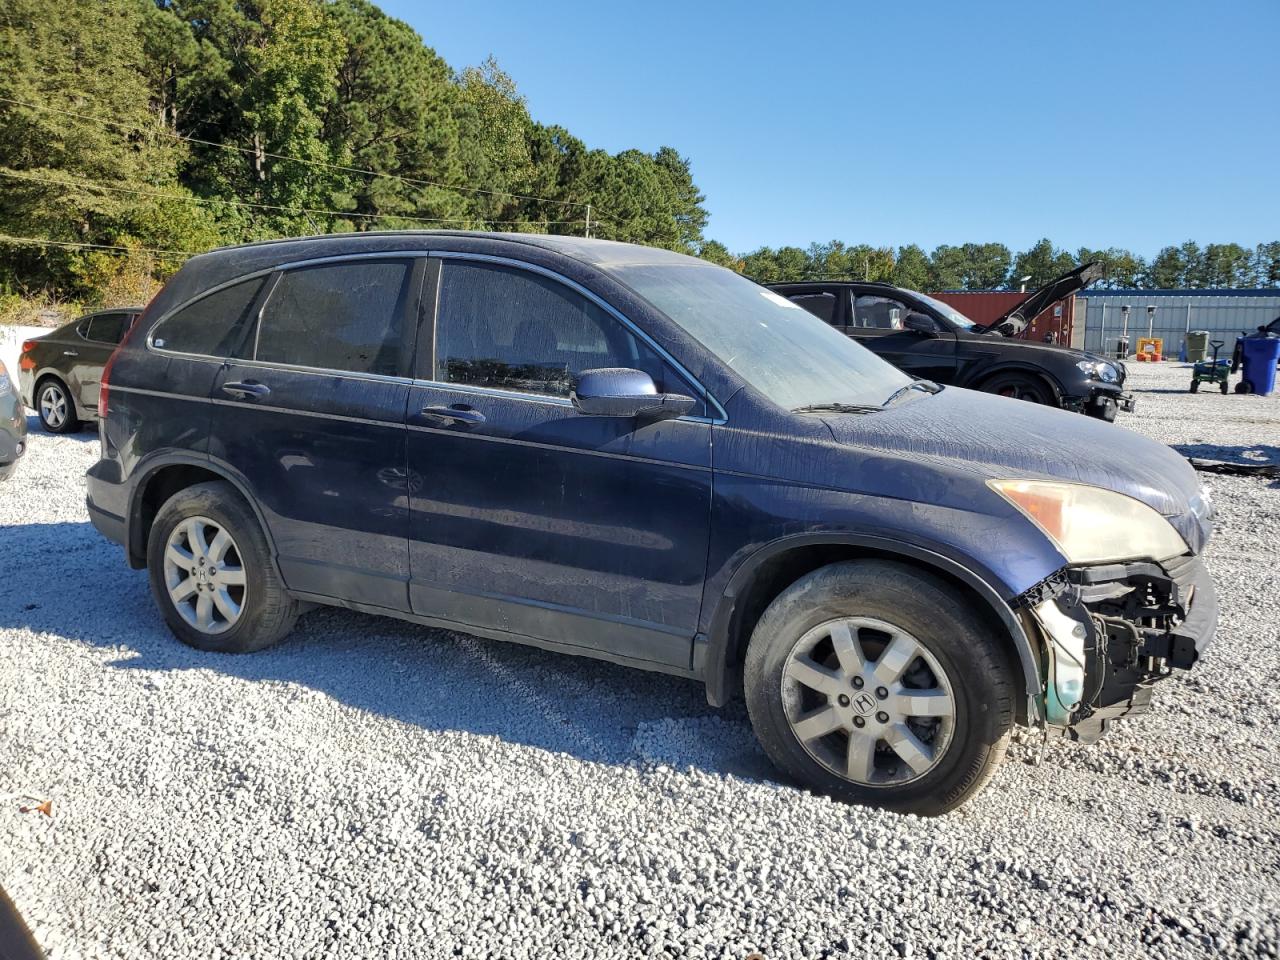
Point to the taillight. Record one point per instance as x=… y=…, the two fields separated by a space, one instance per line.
x=25 y=360
x=104 y=388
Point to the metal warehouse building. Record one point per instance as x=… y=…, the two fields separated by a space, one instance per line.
x=1101 y=316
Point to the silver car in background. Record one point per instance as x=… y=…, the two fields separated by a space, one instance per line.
x=13 y=424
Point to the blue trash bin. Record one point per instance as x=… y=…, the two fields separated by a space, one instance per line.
x=1259 y=358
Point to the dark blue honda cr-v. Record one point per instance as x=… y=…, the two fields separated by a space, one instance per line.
x=622 y=452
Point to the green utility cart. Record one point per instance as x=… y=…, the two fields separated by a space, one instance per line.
x=1211 y=371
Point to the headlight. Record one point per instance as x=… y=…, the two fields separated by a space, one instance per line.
x=1092 y=525
x=1099 y=370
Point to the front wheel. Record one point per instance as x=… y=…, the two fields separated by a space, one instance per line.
x=878 y=684
x=211 y=572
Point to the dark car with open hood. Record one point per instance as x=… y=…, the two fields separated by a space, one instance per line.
x=621 y=452
x=930 y=339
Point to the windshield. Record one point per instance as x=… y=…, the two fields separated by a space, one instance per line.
x=948 y=311
x=780 y=349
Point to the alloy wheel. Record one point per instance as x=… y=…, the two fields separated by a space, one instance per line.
x=868 y=701
x=54 y=406
x=205 y=575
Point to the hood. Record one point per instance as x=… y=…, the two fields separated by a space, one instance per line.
x=1015 y=321
x=989 y=437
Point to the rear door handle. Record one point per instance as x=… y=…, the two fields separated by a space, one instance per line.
x=248 y=390
x=70 y=353
x=459 y=414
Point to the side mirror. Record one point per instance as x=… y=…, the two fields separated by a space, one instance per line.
x=623 y=392
x=920 y=323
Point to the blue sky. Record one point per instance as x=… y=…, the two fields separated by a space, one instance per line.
x=1134 y=124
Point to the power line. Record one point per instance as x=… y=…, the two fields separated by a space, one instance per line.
x=5 y=238
x=92 y=185
x=279 y=156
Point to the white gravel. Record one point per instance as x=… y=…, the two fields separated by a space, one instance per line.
x=373 y=789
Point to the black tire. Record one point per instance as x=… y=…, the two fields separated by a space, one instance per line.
x=1244 y=386
x=1224 y=387
x=1020 y=386
x=53 y=385
x=1195 y=386
x=942 y=621
x=267 y=613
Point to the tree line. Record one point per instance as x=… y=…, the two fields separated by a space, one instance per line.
x=173 y=126
x=993 y=266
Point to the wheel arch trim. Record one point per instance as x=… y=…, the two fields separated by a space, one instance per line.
x=712 y=652
x=998 y=367
x=146 y=471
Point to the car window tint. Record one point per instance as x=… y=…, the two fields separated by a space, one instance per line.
x=339 y=316
x=516 y=330
x=819 y=304
x=880 y=313
x=210 y=326
x=108 y=327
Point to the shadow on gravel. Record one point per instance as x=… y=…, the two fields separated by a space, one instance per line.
x=88 y=432
x=66 y=580
x=1251 y=454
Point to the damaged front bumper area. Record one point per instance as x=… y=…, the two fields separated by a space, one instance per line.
x=1109 y=633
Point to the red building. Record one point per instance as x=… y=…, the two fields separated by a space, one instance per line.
x=985 y=306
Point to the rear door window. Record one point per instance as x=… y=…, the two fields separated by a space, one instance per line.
x=348 y=316
x=212 y=325
x=819 y=304
x=108 y=328
x=511 y=329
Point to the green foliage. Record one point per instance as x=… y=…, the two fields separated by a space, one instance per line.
x=911 y=268
x=1042 y=263
x=235 y=121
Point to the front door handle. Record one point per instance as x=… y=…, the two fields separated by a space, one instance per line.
x=70 y=353
x=248 y=390
x=458 y=414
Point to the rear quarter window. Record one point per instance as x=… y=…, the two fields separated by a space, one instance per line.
x=210 y=326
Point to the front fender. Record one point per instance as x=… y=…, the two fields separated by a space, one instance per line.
x=712 y=657
x=986 y=371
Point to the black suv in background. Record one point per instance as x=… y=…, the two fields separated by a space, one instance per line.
x=932 y=340
x=59 y=372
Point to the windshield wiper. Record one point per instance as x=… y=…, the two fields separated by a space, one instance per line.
x=838 y=408
x=928 y=386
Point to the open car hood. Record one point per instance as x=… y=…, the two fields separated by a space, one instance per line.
x=1015 y=321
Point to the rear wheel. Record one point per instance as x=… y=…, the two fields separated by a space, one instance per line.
x=877 y=683
x=1019 y=386
x=1195 y=386
x=1223 y=384
x=54 y=405
x=211 y=572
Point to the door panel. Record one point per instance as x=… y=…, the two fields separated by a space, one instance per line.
x=102 y=335
x=324 y=449
x=530 y=518
x=324 y=455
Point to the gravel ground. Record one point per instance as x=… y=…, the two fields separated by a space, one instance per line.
x=370 y=788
